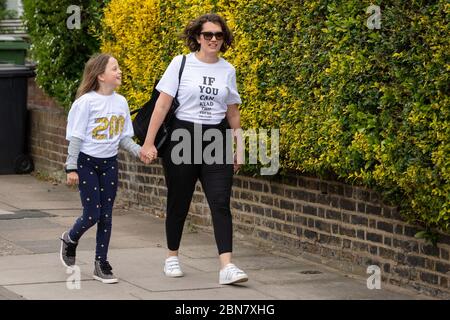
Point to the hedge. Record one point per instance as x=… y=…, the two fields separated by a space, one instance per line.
x=368 y=106
x=371 y=106
x=60 y=53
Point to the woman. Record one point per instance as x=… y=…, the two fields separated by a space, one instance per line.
x=208 y=99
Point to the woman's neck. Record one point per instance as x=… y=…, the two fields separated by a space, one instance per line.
x=207 y=58
x=105 y=90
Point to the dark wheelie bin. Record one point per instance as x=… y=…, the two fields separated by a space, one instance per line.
x=14 y=157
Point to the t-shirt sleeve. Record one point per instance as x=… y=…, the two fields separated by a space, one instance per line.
x=233 y=94
x=128 y=125
x=77 y=120
x=169 y=81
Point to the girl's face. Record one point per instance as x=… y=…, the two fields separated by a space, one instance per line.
x=112 y=76
x=210 y=38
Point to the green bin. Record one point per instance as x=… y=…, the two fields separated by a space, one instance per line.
x=13 y=50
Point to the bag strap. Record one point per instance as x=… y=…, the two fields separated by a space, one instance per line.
x=183 y=62
x=135 y=111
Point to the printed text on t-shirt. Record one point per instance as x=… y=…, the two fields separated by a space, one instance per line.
x=114 y=124
x=207 y=95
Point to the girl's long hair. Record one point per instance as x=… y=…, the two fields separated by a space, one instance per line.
x=93 y=68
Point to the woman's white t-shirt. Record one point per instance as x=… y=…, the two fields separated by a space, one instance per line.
x=205 y=91
x=100 y=121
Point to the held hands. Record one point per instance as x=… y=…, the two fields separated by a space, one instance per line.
x=148 y=154
x=72 y=178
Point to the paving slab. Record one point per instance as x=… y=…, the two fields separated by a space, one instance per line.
x=34 y=213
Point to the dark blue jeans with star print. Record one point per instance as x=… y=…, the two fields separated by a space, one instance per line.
x=98 y=179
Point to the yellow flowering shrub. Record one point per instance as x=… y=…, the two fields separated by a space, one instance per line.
x=370 y=106
x=144 y=37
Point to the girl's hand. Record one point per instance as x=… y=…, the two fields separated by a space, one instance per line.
x=148 y=154
x=72 y=178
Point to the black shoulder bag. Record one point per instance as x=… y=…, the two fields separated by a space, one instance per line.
x=142 y=120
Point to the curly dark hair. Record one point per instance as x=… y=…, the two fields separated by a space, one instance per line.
x=194 y=27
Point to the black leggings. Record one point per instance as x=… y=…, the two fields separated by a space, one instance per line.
x=216 y=180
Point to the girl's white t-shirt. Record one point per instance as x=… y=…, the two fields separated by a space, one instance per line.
x=100 y=121
x=205 y=90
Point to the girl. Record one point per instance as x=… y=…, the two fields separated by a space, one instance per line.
x=98 y=123
x=208 y=99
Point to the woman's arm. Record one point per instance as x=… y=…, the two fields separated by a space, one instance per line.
x=234 y=116
x=234 y=119
x=162 y=107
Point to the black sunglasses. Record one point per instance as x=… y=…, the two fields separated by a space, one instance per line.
x=209 y=35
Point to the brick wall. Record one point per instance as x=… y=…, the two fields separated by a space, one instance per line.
x=48 y=145
x=330 y=222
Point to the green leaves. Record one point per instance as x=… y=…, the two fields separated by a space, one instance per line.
x=428 y=235
x=369 y=106
x=59 y=51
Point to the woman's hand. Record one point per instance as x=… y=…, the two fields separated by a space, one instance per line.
x=72 y=178
x=234 y=119
x=238 y=161
x=148 y=153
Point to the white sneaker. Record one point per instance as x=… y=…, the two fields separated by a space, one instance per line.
x=231 y=274
x=172 y=267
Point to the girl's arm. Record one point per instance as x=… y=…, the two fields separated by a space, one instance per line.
x=72 y=157
x=129 y=145
x=72 y=154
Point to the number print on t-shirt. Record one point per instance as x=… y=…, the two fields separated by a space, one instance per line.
x=114 y=126
x=207 y=96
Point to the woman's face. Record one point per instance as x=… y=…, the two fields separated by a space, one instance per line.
x=210 y=38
